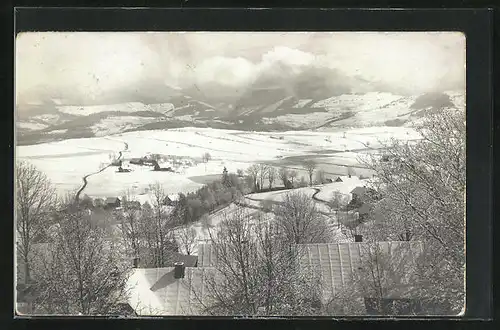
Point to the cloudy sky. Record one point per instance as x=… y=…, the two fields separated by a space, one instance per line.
x=95 y=67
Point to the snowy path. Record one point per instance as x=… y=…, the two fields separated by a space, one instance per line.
x=85 y=181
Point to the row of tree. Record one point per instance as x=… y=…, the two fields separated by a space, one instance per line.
x=193 y=206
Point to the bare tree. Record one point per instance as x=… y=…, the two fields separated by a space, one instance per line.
x=158 y=227
x=239 y=172
x=131 y=225
x=271 y=176
x=283 y=174
x=156 y=157
x=388 y=276
x=310 y=166
x=206 y=157
x=303 y=182
x=263 y=171
x=292 y=174
x=256 y=272
x=82 y=271
x=300 y=221
x=320 y=176
x=422 y=185
x=336 y=203
x=35 y=199
x=350 y=172
x=186 y=237
x=253 y=173
x=206 y=222
x=267 y=205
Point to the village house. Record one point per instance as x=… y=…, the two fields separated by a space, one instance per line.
x=173 y=290
x=136 y=161
x=112 y=203
x=171 y=200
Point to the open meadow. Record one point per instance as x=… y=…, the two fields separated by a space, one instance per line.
x=66 y=162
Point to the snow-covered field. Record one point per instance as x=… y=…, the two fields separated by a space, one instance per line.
x=66 y=162
x=313 y=119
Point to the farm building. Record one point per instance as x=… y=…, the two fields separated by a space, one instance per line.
x=123 y=170
x=137 y=161
x=170 y=200
x=112 y=202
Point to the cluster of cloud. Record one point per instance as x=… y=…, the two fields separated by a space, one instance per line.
x=84 y=67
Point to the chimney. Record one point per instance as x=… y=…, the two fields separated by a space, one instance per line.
x=179 y=270
x=358 y=238
x=136 y=262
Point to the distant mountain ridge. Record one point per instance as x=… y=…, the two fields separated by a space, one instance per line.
x=257 y=109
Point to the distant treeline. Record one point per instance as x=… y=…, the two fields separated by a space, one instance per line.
x=209 y=198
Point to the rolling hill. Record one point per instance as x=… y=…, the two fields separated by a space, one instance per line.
x=274 y=108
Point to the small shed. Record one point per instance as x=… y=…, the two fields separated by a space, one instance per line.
x=171 y=200
x=112 y=202
x=338 y=179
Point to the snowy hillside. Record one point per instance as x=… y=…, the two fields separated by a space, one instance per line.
x=280 y=114
x=122 y=107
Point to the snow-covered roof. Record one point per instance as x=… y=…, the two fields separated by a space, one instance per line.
x=155 y=291
x=337 y=262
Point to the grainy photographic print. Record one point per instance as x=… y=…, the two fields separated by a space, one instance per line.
x=240 y=174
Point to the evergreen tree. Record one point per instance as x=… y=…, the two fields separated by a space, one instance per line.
x=225 y=178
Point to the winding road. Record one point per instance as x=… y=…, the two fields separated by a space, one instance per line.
x=85 y=182
x=317 y=191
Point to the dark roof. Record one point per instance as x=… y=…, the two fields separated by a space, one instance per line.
x=188 y=260
x=172 y=198
x=359 y=191
x=112 y=199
